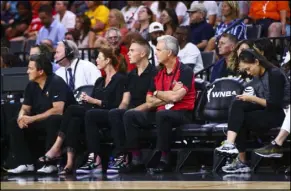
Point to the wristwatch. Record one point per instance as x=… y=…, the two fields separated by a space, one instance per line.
x=155 y=93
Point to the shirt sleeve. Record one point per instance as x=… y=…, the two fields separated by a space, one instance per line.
x=208 y=33
x=152 y=87
x=186 y=77
x=276 y=89
x=212 y=8
x=181 y=9
x=71 y=21
x=28 y=94
x=102 y=14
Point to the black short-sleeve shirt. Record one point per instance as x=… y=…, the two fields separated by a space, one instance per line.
x=41 y=100
x=138 y=86
x=111 y=95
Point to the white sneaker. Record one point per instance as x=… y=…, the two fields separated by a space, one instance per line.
x=22 y=168
x=47 y=169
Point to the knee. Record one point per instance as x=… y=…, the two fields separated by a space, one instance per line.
x=113 y=112
x=161 y=115
x=89 y=115
x=237 y=103
x=129 y=115
x=275 y=27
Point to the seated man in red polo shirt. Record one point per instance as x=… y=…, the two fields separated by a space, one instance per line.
x=172 y=94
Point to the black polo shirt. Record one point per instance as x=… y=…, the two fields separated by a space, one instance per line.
x=138 y=86
x=41 y=100
x=111 y=95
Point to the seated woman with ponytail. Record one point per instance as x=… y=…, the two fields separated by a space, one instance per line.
x=107 y=94
x=259 y=108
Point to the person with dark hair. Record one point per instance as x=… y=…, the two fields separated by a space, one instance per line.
x=189 y=53
x=52 y=29
x=64 y=16
x=139 y=81
x=45 y=99
x=226 y=45
x=47 y=51
x=145 y=18
x=21 y=22
x=107 y=94
x=170 y=21
x=267 y=49
x=259 y=108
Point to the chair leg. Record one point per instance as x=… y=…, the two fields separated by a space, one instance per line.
x=217 y=161
x=182 y=157
x=255 y=161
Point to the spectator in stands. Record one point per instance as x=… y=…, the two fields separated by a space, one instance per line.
x=9 y=60
x=79 y=8
x=230 y=11
x=83 y=24
x=226 y=45
x=47 y=51
x=173 y=94
x=258 y=109
x=170 y=21
x=130 y=12
x=139 y=81
x=153 y=5
x=145 y=18
x=64 y=16
x=8 y=11
x=200 y=30
x=74 y=71
x=113 y=36
x=188 y=53
x=116 y=19
x=20 y=23
x=178 y=7
x=211 y=10
x=243 y=6
x=98 y=14
x=52 y=29
x=46 y=97
x=71 y=36
x=107 y=94
x=268 y=49
x=156 y=30
x=271 y=15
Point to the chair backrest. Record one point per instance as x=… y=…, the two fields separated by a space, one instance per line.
x=29 y=44
x=253 y=31
x=207 y=58
x=217 y=97
x=88 y=89
x=16 y=46
x=14 y=79
x=200 y=86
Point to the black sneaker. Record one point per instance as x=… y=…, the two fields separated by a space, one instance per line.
x=90 y=166
x=116 y=164
x=133 y=168
x=270 y=151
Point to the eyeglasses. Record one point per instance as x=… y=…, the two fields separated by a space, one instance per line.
x=113 y=38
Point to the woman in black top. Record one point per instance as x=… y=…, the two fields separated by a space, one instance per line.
x=259 y=108
x=107 y=94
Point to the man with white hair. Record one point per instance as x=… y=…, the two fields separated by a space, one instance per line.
x=73 y=70
x=172 y=94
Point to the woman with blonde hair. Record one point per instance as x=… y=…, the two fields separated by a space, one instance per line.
x=116 y=19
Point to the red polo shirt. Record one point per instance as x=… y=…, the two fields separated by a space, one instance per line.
x=165 y=82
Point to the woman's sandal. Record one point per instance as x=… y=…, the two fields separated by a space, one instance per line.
x=66 y=171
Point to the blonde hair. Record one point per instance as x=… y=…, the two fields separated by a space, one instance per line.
x=119 y=16
x=234 y=7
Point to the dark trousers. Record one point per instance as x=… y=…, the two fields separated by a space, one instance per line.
x=165 y=120
x=71 y=127
x=115 y=117
x=95 y=120
x=19 y=137
x=246 y=116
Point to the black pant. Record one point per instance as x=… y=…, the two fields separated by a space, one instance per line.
x=95 y=120
x=19 y=137
x=71 y=126
x=245 y=116
x=117 y=129
x=165 y=120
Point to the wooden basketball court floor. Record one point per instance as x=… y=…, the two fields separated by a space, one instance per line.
x=192 y=181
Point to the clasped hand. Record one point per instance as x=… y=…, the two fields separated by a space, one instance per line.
x=24 y=121
x=86 y=98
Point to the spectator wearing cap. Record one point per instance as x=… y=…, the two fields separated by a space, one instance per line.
x=64 y=16
x=188 y=53
x=212 y=10
x=200 y=30
x=156 y=30
x=52 y=29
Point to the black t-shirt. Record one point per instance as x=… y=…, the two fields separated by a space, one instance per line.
x=138 y=86
x=111 y=95
x=41 y=100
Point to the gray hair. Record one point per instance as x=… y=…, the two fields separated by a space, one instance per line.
x=171 y=43
x=73 y=46
x=117 y=30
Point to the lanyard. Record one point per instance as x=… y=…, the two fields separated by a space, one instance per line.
x=74 y=74
x=176 y=69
